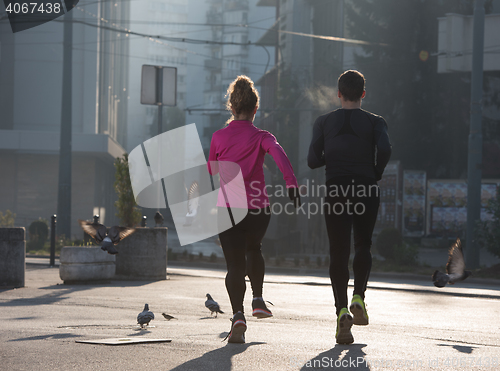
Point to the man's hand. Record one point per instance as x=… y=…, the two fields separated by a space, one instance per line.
x=294 y=195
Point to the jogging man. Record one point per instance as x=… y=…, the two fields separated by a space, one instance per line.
x=354 y=146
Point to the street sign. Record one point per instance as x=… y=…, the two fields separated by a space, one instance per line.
x=154 y=77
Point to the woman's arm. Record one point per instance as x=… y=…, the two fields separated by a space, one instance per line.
x=271 y=146
x=212 y=156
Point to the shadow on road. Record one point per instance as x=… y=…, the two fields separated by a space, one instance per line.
x=49 y=336
x=460 y=348
x=217 y=360
x=50 y=298
x=342 y=357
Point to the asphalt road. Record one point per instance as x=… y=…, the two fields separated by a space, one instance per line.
x=413 y=326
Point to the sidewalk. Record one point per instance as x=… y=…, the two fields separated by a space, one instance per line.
x=310 y=275
x=409 y=322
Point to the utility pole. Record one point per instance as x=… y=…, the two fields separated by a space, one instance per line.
x=475 y=158
x=64 y=192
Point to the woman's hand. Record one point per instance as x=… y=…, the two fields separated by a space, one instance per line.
x=294 y=195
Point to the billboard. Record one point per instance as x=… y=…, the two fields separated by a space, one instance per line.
x=414 y=190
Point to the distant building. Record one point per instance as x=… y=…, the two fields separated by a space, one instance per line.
x=310 y=66
x=157 y=17
x=30 y=109
x=231 y=21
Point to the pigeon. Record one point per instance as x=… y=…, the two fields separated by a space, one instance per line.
x=455 y=268
x=145 y=316
x=158 y=219
x=167 y=316
x=213 y=306
x=100 y=234
x=193 y=202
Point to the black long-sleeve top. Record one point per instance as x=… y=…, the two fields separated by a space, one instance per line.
x=350 y=142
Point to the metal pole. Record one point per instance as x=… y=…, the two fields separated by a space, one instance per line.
x=53 y=223
x=475 y=138
x=64 y=193
x=159 y=100
x=159 y=97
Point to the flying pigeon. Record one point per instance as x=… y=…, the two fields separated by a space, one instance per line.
x=167 y=316
x=213 y=306
x=158 y=219
x=455 y=268
x=145 y=316
x=193 y=202
x=108 y=239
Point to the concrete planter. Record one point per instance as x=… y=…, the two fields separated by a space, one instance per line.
x=81 y=264
x=12 y=254
x=143 y=255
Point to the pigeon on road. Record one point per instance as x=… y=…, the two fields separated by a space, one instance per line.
x=100 y=234
x=158 y=219
x=145 y=316
x=168 y=317
x=213 y=306
x=455 y=268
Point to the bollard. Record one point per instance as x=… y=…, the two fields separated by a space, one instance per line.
x=53 y=240
x=144 y=221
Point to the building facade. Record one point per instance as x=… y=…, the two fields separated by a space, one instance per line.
x=31 y=90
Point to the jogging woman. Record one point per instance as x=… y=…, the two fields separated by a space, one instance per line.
x=242 y=143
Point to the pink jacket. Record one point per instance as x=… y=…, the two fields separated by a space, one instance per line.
x=242 y=143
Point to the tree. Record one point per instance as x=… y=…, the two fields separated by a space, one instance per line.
x=7 y=220
x=427 y=113
x=127 y=210
x=173 y=117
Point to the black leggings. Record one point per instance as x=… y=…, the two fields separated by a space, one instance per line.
x=345 y=211
x=241 y=246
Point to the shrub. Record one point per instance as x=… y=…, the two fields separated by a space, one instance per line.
x=126 y=207
x=39 y=231
x=387 y=242
x=391 y=246
x=7 y=220
x=406 y=254
x=213 y=257
x=200 y=255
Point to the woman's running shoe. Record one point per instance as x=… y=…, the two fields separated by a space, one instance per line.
x=260 y=309
x=238 y=328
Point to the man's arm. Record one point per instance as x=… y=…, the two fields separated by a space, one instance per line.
x=316 y=156
x=383 y=145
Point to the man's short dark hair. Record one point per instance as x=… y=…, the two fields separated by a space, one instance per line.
x=351 y=85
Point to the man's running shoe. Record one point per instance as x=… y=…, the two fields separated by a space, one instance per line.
x=358 y=310
x=260 y=309
x=344 y=324
x=238 y=328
